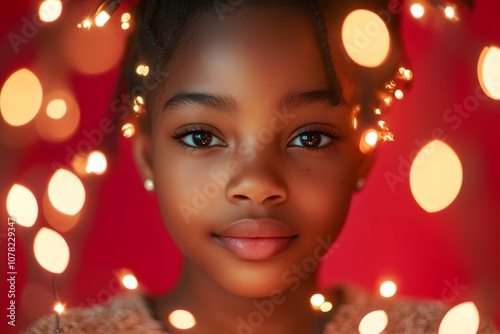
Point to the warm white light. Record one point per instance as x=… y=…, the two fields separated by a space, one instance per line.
x=488 y=71
x=317 y=300
x=417 y=10
x=449 y=12
x=128 y=130
x=366 y=38
x=125 y=25
x=51 y=250
x=461 y=319
x=388 y=289
x=125 y=17
x=142 y=70
x=66 y=192
x=96 y=163
x=181 y=319
x=435 y=176
x=22 y=205
x=398 y=94
x=373 y=323
x=59 y=308
x=326 y=307
x=85 y=24
x=130 y=282
x=56 y=108
x=50 y=10
x=371 y=137
x=101 y=19
x=21 y=97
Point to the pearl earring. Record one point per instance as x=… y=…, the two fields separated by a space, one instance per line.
x=149 y=185
x=360 y=184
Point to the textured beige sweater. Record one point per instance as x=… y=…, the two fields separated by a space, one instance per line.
x=129 y=314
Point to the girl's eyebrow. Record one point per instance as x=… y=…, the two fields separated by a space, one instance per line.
x=227 y=104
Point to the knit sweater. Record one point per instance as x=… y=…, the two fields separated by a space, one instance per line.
x=130 y=314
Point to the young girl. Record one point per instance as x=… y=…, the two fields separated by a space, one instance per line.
x=252 y=145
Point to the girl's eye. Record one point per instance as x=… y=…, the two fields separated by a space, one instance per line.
x=311 y=139
x=201 y=139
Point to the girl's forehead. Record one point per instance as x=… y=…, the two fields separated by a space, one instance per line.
x=271 y=46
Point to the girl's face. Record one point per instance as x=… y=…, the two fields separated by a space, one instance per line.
x=253 y=167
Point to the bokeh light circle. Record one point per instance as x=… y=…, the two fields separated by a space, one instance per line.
x=22 y=205
x=366 y=38
x=435 y=176
x=488 y=71
x=461 y=319
x=15 y=107
x=51 y=250
x=66 y=192
x=50 y=10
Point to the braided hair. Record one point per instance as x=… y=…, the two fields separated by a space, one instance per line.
x=159 y=25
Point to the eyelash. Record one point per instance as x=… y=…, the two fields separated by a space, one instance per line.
x=184 y=132
x=189 y=130
x=328 y=132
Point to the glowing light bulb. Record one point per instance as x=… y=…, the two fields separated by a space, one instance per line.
x=365 y=38
x=398 y=94
x=50 y=10
x=181 y=319
x=85 y=24
x=59 y=308
x=125 y=17
x=373 y=323
x=371 y=137
x=125 y=25
x=22 y=205
x=101 y=19
x=128 y=130
x=96 y=163
x=51 y=250
x=15 y=108
x=488 y=71
x=326 y=307
x=142 y=70
x=130 y=282
x=317 y=300
x=461 y=319
x=435 y=176
x=56 y=109
x=378 y=111
x=388 y=289
x=66 y=192
x=417 y=10
x=406 y=74
x=449 y=12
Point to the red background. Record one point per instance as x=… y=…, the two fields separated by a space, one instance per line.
x=387 y=236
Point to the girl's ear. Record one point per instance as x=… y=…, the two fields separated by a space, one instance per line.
x=142 y=155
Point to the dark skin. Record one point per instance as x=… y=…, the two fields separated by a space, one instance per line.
x=301 y=170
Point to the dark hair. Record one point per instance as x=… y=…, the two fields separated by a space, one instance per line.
x=159 y=25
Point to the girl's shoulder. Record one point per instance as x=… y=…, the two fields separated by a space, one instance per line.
x=125 y=313
x=403 y=315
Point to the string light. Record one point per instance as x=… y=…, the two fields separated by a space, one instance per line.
x=417 y=10
x=59 y=308
x=398 y=94
x=449 y=12
x=85 y=24
x=128 y=130
x=142 y=70
x=104 y=12
x=125 y=21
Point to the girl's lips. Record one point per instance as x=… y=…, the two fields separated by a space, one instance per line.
x=255 y=248
x=255 y=239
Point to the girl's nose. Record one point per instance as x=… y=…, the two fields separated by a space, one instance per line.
x=259 y=183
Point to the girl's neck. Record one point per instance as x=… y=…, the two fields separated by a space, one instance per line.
x=219 y=311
